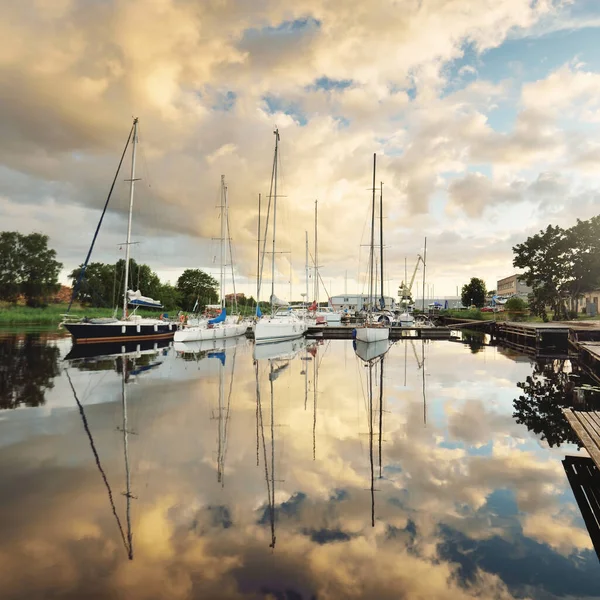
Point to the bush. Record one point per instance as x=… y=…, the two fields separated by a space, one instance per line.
x=516 y=308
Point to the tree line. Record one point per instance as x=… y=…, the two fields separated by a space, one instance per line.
x=29 y=270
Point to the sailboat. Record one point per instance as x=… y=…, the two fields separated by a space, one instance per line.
x=128 y=327
x=372 y=331
x=282 y=324
x=221 y=326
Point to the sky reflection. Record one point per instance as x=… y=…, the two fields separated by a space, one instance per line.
x=234 y=498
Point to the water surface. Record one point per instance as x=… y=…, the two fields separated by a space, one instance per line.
x=304 y=474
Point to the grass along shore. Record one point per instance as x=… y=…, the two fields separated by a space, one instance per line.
x=52 y=314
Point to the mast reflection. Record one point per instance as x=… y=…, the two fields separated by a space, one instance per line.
x=372 y=354
x=279 y=357
x=129 y=365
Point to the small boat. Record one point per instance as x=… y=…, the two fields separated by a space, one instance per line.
x=406 y=319
x=374 y=331
x=221 y=326
x=282 y=324
x=128 y=327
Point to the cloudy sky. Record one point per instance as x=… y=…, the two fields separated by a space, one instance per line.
x=484 y=116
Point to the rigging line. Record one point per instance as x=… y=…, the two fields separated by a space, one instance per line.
x=89 y=254
x=235 y=302
x=97 y=458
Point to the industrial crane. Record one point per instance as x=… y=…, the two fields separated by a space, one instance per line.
x=404 y=291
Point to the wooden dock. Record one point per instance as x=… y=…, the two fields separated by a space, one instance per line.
x=586 y=424
x=344 y=332
x=584 y=479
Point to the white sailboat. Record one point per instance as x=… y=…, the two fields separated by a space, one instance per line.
x=222 y=326
x=282 y=324
x=372 y=331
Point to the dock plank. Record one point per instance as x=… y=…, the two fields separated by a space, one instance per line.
x=582 y=433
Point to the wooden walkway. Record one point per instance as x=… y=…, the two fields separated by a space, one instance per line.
x=584 y=478
x=344 y=332
x=586 y=425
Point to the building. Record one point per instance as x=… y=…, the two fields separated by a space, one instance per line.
x=354 y=302
x=512 y=286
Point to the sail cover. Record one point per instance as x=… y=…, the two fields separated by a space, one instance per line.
x=277 y=301
x=219 y=318
x=136 y=299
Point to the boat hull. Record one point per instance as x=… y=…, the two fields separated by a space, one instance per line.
x=277 y=330
x=370 y=351
x=93 y=333
x=199 y=334
x=372 y=334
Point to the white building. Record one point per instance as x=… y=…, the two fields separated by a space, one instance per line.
x=354 y=302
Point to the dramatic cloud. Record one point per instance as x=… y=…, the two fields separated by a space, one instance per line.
x=209 y=81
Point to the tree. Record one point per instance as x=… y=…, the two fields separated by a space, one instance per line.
x=546 y=392
x=543 y=258
x=473 y=293
x=170 y=297
x=102 y=284
x=97 y=287
x=28 y=267
x=560 y=265
x=516 y=308
x=194 y=284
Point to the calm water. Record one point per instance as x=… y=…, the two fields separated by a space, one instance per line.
x=305 y=475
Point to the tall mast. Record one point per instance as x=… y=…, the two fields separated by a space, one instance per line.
x=372 y=250
x=316 y=256
x=306 y=264
x=222 y=273
x=258 y=259
x=128 y=243
x=381 y=304
x=424 y=261
x=276 y=132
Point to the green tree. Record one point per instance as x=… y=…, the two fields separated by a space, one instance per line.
x=516 y=308
x=473 y=293
x=194 y=284
x=28 y=267
x=97 y=287
x=544 y=258
x=170 y=297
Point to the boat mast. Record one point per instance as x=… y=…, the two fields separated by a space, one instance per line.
x=424 y=261
x=222 y=274
x=306 y=265
x=276 y=132
x=258 y=259
x=372 y=249
x=128 y=243
x=316 y=256
x=382 y=301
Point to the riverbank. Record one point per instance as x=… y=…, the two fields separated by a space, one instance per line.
x=52 y=314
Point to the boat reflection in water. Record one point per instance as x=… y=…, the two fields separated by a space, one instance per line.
x=279 y=357
x=140 y=358
x=373 y=356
